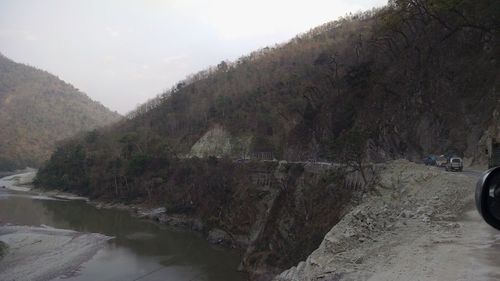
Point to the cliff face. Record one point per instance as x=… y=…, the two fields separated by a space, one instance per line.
x=276 y=213
x=218 y=142
x=302 y=203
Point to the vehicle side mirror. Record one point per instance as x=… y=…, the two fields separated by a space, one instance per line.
x=488 y=197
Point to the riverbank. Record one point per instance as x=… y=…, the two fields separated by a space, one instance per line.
x=20 y=181
x=54 y=251
x=23 y=183
x=139 y=247
x=409 y=208
x=42 y=253
x=15 y=172
x=275 y=213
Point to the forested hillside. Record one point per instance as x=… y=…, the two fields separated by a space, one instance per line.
x=412 y=78
x=415 y=77
x=36 y=110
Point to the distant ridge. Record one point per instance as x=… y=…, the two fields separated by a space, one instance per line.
x=37 y=109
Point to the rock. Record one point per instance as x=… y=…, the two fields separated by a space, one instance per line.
x=197 y=225
x=427 y=210
x=425 y=219
x=219 y=237
x=406 y=214
x=152 y=214
x=369 y=220
x=178 y=222
x=399 y=224
x=158 y=210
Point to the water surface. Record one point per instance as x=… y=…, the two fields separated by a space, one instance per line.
x=141 y=250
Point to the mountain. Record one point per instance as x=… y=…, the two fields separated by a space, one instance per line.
x=37 y=110
x=415 y=80
x=409 y=79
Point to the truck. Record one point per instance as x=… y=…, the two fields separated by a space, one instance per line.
x=493 y=152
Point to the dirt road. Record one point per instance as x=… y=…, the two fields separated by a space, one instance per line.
x=418 y=224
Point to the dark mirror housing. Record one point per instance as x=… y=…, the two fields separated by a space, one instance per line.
x=488 y=197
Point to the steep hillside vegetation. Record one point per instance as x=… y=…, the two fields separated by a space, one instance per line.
x=415 y=77
x=36 y=110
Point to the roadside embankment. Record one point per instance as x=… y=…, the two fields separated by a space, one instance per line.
x=419 y=225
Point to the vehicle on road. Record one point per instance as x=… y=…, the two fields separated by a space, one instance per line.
x=455 y=164
x=441 y=161
x=430 y=160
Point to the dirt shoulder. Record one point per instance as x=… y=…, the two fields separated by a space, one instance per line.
x=418 y=224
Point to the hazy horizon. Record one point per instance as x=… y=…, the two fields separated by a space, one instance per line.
x=122 y=53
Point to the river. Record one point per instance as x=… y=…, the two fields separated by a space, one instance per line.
x=139 y=249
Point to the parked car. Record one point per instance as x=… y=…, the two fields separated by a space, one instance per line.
x=455 y=164
x=430 y=160
x=441 y=161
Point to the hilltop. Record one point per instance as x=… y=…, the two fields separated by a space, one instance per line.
x=37 y=110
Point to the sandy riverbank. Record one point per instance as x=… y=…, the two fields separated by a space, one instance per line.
x=21 y=181
x=42 y=253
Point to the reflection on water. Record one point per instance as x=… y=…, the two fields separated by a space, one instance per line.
x=140 y=249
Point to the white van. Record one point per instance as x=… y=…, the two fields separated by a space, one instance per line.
x=455 y=164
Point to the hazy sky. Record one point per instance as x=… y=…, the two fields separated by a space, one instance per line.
x=123 y=52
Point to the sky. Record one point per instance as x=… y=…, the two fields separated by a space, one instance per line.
x=124 y=52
